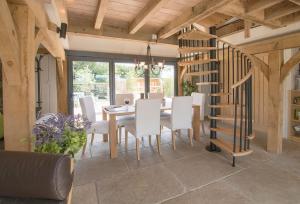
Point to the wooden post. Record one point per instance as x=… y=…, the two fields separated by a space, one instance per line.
x=62 y=86
x=19 y=98
x=274 y=143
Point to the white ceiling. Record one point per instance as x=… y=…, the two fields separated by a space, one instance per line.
x=113 y=45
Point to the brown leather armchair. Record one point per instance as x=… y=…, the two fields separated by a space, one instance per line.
x=35 y=178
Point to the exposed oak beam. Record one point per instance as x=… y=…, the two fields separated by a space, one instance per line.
x=257 y=5
x=292 y=62
x=9 y=45
x=107 y=31
x=202 y=10
x=145 y=14
x=296 y=2
x=102 y=7
x=280 y=10
x=272 y=43
x=292 y=18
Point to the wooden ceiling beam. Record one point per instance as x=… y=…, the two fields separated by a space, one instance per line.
x=102 y=7
x=257 y=5
x=146 y=14
x=291 y=63
x=107 y=31
x=296 y=2
x=202 y=10
x=292 y=18
x=280 y=10
x=285 y=41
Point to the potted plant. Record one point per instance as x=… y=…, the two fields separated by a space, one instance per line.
x=188 y=88
x=60 y=134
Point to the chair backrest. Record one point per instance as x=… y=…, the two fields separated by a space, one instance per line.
x=120 y=98
x=182 y=110
x=147 y=117
x=199 y=99
x=88 y=108
x=156 y=96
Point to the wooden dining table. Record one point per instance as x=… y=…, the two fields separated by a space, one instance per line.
x=111 y=113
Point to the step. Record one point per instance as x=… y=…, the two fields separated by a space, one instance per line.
x=195 y=35
x=219 y=94
x=221 y=117
x=221 y=105
x=228 y=147
x=196 y=62
x=229 y=132
x=186 y=50
x=226 y=131
x=206 y=83
x=201 y=73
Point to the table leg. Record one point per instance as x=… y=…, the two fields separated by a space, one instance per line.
x=104 y=117
x=196 y=123
x=113 y=137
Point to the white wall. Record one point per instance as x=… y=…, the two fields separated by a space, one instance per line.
x=48 y=85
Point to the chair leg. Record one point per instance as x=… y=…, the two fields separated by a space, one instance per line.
x=150 y=144
x=137 y=143
x=120 y=135
x=126 y=139
x=173 y=139
x=92 y=138
x=190 y=133
x=158 y=143
x=203 y=128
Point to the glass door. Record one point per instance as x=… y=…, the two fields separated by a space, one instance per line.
x=163 y=82
x=91 y=79
x=127 y=81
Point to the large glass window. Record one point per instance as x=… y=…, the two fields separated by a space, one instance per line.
x=91 y=79
x=127 y=81
x=163 y=82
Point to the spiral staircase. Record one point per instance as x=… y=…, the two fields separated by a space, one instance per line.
x=206 y=60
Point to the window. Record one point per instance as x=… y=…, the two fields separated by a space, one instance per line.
x=164 y=82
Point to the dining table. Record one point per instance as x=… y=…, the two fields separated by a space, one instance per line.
x=110 y=113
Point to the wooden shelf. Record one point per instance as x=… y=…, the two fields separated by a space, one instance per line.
x=292 y=121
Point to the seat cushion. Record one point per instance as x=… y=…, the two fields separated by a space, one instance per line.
x=125 y=120
x=100 y=127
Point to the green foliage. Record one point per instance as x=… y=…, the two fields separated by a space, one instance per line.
x=73 y=141
x=188 y=88
x=51 y=147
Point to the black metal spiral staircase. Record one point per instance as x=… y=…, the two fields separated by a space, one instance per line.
x=209 y=61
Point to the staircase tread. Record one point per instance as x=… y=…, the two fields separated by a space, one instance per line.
x=201 y=73
x=207 y=83
x=228 y=147
x=195 y=62
x=219 y=94
x=185 y=50
x=221 y=117
x=226 y=131
x=195 y=35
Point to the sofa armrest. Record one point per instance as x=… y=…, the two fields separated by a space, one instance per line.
x=35 y=175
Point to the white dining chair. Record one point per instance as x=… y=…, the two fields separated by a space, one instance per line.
x=88 y=111
x=123 y=120
x=181 y=117
x=199 y=99
x=147 y=123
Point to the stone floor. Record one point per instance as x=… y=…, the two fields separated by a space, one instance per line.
x=187 y=175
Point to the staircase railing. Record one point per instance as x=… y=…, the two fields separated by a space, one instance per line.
x=229 y=72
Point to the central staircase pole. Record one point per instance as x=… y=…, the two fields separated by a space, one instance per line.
x=214 y=89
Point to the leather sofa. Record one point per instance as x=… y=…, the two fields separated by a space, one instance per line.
x=35 y=178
